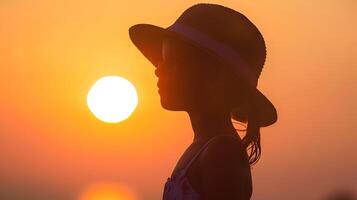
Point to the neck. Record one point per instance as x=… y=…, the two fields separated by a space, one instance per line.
x=207 y=124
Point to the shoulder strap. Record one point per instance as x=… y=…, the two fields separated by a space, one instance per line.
x=202 y=148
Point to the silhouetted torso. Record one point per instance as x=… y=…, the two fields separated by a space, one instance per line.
x=190 y=163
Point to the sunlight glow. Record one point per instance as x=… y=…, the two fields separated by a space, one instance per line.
x=107 y=191
x=112 y=99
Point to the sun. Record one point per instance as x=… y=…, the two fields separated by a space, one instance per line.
x=112 y=99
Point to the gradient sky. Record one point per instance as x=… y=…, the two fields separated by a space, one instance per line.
x=53 y=148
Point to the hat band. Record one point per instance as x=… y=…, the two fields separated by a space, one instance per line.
x=228 y=54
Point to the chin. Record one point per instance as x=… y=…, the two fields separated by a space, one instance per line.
x=169 y=104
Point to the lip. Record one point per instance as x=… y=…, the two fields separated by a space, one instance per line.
x=158 y=84
x=158 y=87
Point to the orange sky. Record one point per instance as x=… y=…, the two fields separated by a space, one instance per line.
x=52 y=147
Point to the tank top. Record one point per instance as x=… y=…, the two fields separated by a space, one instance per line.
x=178 y=187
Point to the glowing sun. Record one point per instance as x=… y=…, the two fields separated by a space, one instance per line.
x=112 y=99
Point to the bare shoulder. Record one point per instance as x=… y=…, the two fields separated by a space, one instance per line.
x=223 y=149
x=225 y=173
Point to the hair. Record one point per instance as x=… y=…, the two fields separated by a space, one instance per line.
x=251 y=140
x=244 y=114
x=238 y=98
x=241 y=108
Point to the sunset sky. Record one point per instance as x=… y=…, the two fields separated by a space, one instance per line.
x=53 y=148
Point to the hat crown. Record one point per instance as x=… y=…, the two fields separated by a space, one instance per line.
x=230 y=28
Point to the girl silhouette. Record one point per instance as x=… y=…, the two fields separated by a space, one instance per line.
x=208 y=63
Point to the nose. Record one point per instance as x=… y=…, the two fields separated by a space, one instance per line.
x=158 y=68
x=157 y=72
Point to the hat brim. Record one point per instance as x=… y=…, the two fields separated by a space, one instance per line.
x=148 y=39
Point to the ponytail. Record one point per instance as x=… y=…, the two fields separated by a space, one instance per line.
x=251 y=140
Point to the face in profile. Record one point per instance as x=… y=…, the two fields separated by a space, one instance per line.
x=183 y=74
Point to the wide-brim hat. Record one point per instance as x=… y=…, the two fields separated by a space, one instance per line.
x=222 y=32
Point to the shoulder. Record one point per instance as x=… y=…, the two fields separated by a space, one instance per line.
x=222 y=149
x=224 y=173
